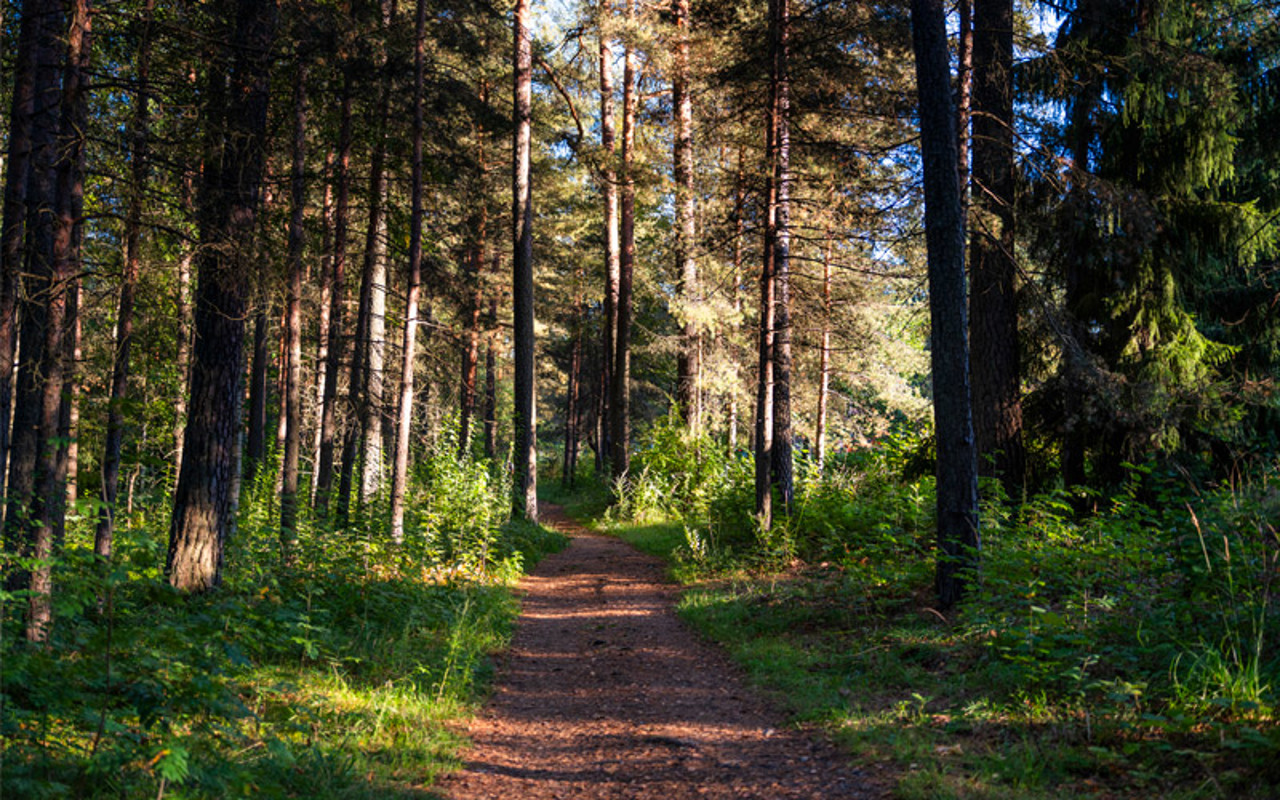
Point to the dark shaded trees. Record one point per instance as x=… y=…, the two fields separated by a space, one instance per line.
x=993 y=312
x=203 y=500
x=957 y=477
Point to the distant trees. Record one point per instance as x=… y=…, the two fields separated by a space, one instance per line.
x=679 y=153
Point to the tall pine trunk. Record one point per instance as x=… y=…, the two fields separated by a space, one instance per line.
x=404 y=411
x=35 y=17
x=688 y=366
x=203 y=500
x=612 y=264
x=31 y=433
x=525 y=419
x=993 y=309
x=957 y=469
x=782 y=459
x=293 y=320
x=620 y=377
x=337 y=292
x=140 y=134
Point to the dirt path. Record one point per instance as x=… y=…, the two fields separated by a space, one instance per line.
x=606 y=694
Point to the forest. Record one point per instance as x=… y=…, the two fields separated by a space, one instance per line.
x=933 y=346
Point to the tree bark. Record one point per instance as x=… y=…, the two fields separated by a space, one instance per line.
x=571 y=410
x=782 y=458
x=31 y=433
x=337 y=283
x=203 y=501
x=141 y=141
x=620 y=376
x=404 y=414
x=35 y=18
x=293 y=320
x=993 y=311
x=525 y=419
x=824 y=357
x=612 y=263
x=688 y=368
x=323 y=312
x=957 y=475
x=964 y=99
x=489 y=410
x=256 y=437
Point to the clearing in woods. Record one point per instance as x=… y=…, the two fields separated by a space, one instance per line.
x=606 y=694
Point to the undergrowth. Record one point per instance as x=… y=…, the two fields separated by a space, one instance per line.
x=336 y=677
x=1132 y=651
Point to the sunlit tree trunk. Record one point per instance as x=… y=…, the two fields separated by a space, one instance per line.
x=203 y=501
x=957 y=475
x=688 y=366
x=489 y=408
x=293 y=320
x=620 y=377
x=782 y=458
x=322 y=314
x=337 y=292
x=404 y=412
x=609 y=189
x=256 y=435
x=525 y=419
x=140 y=134
x=824 y=357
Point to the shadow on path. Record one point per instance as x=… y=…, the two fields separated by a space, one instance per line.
x=606 y=694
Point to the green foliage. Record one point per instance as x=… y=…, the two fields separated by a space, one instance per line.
x=1135 y=648
x=333 y=677
x=677 y=473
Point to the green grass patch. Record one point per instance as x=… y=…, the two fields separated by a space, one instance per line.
x=345 y=676
x=1129 y=654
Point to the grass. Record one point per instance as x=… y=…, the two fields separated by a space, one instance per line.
x=957 y=703
x=344 y=678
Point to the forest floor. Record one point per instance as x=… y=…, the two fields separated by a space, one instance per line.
x=604 y=693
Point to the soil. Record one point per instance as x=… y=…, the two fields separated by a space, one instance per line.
x=606 y=694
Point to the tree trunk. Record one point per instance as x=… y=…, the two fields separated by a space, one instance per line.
x=185 y=327
x=525 y=420
x=141 y=141
x=571 y=411
x=24 y=535
x=993 y=310
x=490 y=408
x=293 y=320
x=322 y=327
x=824 y=356
x=35 y=18
x=612 y=263
x=688 y=368
x=765 y=394
x=256 y=438
x=620 y=376
x=404 y=416
x=964 y=99
x=48 y=503
x=782 y=459
x=475 y=278
x=337 y=283
x=203 y=501
x=957 y=476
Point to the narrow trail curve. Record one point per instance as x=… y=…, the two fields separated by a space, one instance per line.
x=606 y=694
